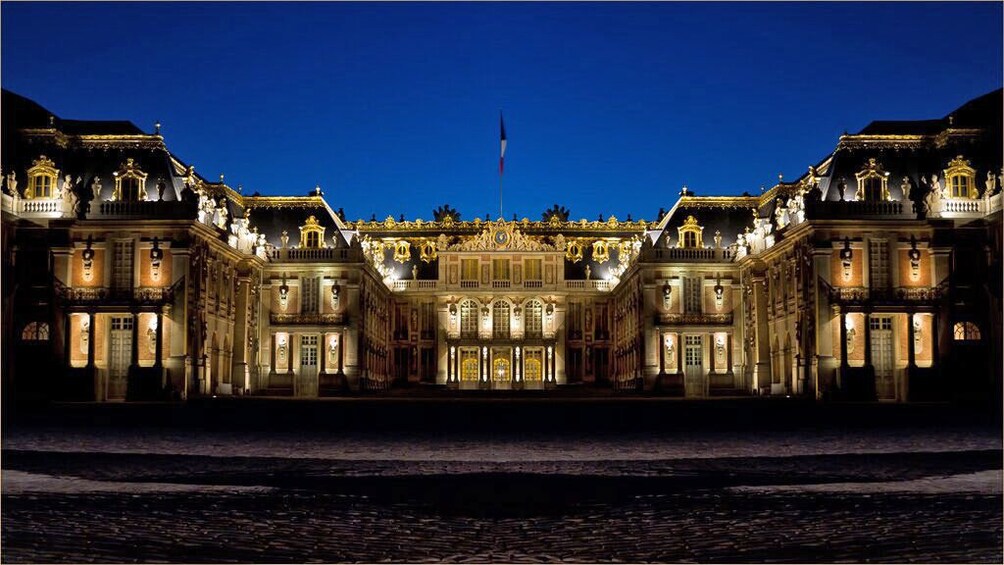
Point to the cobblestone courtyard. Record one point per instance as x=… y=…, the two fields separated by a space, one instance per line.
x=901 y=494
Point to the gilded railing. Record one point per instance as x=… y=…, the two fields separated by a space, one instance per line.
x=313 y=318
x=701 y=318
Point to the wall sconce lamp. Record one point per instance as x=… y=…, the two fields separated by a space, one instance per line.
x=670 y=347
x=918 y=336
x=333 y=344
x=88 y=260
x=335 y=296
x=914 y=255
x=156 y=256
x=667 y=292
x=719 y=293
x=453 y=314
x=846 y=255
x=549 y=312
x=283 y=294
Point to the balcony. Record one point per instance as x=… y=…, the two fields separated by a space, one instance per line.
x=103 y=296
x=692 y=254
x=305 y=319
x=412 y=285
x=836 y=209
x=859 y=296
x=307 y=254
x=596 y=285
x=159 y=209
x=695 y=319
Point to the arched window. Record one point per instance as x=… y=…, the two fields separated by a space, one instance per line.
x=500 y=319
x=966 y=331
x=35 y=331
x=960 y=179
x=872 y=182
x=42 y=178
x=130 y=182
x=690 y=233
x=468 y=319
x=311 y=234
x=533 y=321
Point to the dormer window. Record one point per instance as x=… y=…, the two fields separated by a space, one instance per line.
x=960 y=179
x=690 y=233
x=130 y=182
x=311 y=234
x=42 y=178
x=873 y=182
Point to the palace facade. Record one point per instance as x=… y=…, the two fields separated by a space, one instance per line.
x=129 y=276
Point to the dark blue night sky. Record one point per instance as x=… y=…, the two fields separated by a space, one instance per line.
x=609 y=108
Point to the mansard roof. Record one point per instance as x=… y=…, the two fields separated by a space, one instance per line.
x=274 y=214
x=727 y=215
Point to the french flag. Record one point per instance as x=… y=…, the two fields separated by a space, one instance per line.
x=502 y=154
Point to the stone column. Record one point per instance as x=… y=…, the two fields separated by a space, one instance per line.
x=239 y=362
x=935 y=335
x=66 y=341
x=158 y=363
x=679 y=352
x=762 y=371
x=728 y=353
x=135 y=340
x=843 y=341
x=91 y=329
x=910 y=347
x=868 y=339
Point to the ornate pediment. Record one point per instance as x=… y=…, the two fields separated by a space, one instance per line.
x=502 y=236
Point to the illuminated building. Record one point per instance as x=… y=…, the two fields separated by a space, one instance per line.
x=876 y=274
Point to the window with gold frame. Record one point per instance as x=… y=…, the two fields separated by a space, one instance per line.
x=690 y=233
x=42 y=178
x=312 y=234
x=960 y=179
x=469 y=365
x=130 y=182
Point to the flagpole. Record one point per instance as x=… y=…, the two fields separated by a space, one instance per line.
x=501 y=158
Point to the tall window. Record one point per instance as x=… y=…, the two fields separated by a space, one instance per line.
x=532 y=269
x=878 y=263
x=313 y=239
x=574 y=320
x=960 y=186
x=692 y=295
x=873 y=188
x=469 y=319
x=310 y=294
x=500 y=319
x=122 y=265
x=533 y=313
x=130 y=188
x=428 y=320
x=469 y=270
x=500 y=269
x=41 y=186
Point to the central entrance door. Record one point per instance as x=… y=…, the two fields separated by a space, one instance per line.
x=469 y=367
x=501 y=368
x=881 y=343
x=533 y=368
x=693 y=365
x=307 y=381
x=119 y=356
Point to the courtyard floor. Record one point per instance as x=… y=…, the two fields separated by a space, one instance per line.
x=911 y=488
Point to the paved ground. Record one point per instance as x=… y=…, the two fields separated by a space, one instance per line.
x=910 y=492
